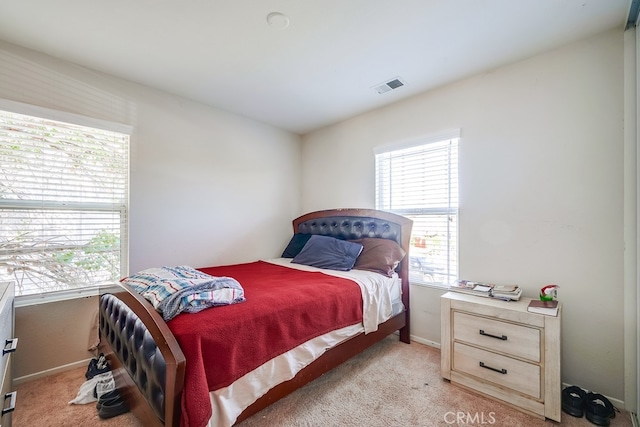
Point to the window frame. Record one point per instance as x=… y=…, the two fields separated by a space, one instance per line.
x=449 y=210
x=80 y=120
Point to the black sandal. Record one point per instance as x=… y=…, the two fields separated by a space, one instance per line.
x=599 y=409
x=573 y=401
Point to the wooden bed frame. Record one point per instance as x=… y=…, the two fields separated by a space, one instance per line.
x=149 y=366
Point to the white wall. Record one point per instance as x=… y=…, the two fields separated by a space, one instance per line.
x=207 y=187
x=541 y=189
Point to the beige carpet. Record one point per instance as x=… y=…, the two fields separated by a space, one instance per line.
x=44 y=403
x=392 y=384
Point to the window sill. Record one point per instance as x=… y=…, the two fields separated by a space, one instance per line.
x=70 y=294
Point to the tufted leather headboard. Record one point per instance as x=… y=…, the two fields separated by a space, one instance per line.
x=351 y=224
x=351 y=228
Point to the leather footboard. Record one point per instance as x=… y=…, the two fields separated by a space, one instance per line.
x=135 y=348
x=146 y=350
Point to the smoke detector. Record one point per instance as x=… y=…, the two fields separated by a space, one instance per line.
x=278 y=20
x=388 y=86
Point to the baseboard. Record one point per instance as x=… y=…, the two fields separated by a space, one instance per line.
x=417 y=339
x=48 y=372
x=616 y=402
x=425 y=342
x=634 y=419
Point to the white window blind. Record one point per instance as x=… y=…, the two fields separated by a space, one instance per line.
x=419 y=180
x=63 y=204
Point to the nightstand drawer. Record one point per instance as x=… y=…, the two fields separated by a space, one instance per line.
x=504 y=371
x=515 y=340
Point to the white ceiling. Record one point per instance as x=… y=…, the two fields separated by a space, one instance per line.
x=319 y=70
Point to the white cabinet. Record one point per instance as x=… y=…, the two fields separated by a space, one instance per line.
x=9 y=346
x=499 y=349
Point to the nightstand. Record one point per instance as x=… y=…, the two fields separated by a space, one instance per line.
x=499 y=349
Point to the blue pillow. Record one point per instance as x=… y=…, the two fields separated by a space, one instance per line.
x=328 y=252
x=295 y=245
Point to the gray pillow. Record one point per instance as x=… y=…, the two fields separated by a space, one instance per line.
x=295 y=245
x=328 y=252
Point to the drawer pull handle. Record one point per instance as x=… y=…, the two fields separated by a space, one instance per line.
x=500 y=371
x=502 y=337
x=12 y=402
x=12 y=347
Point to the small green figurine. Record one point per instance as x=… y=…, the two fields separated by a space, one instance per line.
x=549 y=293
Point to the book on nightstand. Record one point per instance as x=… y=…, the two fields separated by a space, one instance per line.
x=548 y=308
x=472 y=288
x=507 y=292
x=489 y=290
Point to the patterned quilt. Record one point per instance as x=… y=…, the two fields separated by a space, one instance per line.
x=173 y=290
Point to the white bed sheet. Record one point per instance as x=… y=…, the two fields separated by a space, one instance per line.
x=380 y=295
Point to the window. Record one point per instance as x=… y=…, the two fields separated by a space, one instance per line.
x=63 y=202
x=419 y=179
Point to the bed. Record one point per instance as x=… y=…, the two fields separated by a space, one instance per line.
x=150 y=366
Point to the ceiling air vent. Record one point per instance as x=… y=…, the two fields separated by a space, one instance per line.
x=389 y=86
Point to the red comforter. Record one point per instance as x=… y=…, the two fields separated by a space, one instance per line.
x=284 y=308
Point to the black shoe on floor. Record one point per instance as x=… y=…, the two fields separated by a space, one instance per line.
x=574 y=401
x=111 y=404
x=109 y=398
x=599 y=409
